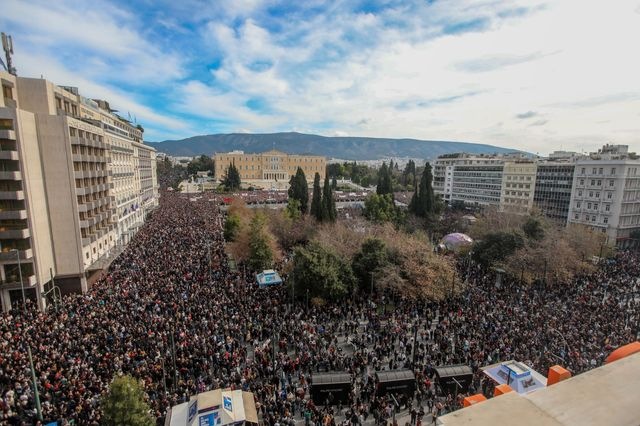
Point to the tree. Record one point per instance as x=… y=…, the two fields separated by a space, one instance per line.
x=334 y=183
x=409 y=173
x=231 y=180
x=322 y=272
x=496 y=247
x=423 y=202
x=231 y=227
x=124 y=405
x=380 y=209
x=292 y=210
x=371 y=258
x=260 y=253
x=533 y=229
x=203 y=163
x=384 y=181
x=316 y=200
x=329 y=213
x=299 y=190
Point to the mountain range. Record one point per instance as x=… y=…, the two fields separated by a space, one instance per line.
x=342 y=147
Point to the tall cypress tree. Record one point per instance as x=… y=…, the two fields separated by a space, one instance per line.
x=423 y=202
x=329 y=212
x=231 y=180
x=384 y=181
x=299 y=190
x=316 y=201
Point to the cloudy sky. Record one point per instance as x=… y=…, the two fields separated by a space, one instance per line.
x=532 y=74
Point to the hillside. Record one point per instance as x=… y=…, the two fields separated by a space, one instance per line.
x=350 y=148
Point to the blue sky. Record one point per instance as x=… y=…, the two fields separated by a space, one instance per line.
x=531 y=74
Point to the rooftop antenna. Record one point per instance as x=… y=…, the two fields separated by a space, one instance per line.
x=7 y=46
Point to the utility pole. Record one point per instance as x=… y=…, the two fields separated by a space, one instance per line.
x=24 y=299
x=173 y=356
x=35 y=385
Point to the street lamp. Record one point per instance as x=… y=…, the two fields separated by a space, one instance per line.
x=24 y=300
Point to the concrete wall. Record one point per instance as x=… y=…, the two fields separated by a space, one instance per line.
x=60 y=184
x=36 y=200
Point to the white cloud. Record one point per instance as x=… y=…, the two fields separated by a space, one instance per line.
x=561 y=56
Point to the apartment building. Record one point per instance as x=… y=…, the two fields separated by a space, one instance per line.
x=26 y=249
x=271 y=169
x=606 y=193
x=472 y=179
x=97 y=180
x=518 y=186
x=554 y=180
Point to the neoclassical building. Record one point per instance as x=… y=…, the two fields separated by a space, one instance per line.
x=271 y=169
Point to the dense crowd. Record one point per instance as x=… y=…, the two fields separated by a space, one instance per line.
x=171 y=298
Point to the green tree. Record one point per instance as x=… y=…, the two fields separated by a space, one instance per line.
x=316 y=200
x=533 y=229
x=231 y=227
x=299 y=190
x=371 y=258
x=423 y=203
x=292 y=210
x=231 y=180
x=409 y=174
x=496 y=247
x=124 y=405
x=380 y=208
x=329 y=213
x=384 y=181
x=322 y=272
x=334 y=183
x=260 y=253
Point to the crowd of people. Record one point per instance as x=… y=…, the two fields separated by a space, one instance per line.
x=170 y=299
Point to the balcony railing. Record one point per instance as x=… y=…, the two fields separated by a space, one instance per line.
x=9 y=254
x=27 y=280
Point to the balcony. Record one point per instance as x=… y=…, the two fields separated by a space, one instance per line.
x=8 y=254
x=9 y=155
x=8 y=134
x=28 y=280
x=14 y=234
x=11 y=175
x=11 y=195
x=13 y=214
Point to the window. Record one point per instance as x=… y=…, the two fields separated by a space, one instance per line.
x=583 y=170
x=577 y=216
x=7 y=92
x=589 y=206
x=600 y=171
x=578 y=204
x=579 y=193
x=599 y=182
x=593 y=218
x=595 y=206
x=609 y=195
x=605 y=219
x=607 y=207
x=593 y=182
x=613 y=171
x=594 y=171
x=581 y=181
x=611 y=182
x=598 y=194
x=590 y=193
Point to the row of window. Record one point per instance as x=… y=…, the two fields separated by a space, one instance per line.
x=595 y=194
x=592 y=218
x=593 y=206
x=518 y=185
